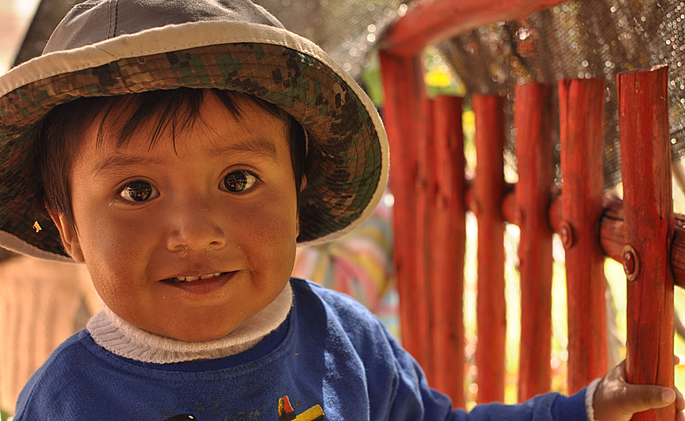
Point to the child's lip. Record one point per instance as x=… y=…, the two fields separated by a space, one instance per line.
x=202 y=286
x=194 y=276
x=191 y=278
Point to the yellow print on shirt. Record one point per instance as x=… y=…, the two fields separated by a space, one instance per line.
x=285 y=413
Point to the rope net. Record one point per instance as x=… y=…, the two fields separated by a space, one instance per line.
x=580 y=39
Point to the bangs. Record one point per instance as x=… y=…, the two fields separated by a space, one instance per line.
x=176 y=110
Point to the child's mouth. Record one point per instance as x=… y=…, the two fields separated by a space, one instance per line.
x=195 y=286
x=180 y=279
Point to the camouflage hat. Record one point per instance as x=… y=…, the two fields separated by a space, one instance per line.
x=117 y=47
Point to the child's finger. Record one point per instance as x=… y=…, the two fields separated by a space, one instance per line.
x=638 y=398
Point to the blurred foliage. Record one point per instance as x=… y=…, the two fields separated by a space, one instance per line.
x=371 y=78
x=439 y=77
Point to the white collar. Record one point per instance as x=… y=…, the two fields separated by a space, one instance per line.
x=122 y=338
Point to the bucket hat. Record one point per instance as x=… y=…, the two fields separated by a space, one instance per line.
x=117 y=47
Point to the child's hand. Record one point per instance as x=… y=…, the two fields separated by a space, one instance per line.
x=617 y=400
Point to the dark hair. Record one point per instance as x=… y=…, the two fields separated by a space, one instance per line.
x=58 y=137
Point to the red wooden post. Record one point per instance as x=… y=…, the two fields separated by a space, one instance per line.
x=489 y=191
x=402 y=81
x=448 y=241
x=581 y=117
x=423 y=250
x=532 y=119
x=648 y=209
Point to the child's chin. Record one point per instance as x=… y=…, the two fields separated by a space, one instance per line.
x=198 y=335
x=196 y=331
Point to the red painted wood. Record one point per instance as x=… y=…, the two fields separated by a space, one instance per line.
x=402 y=81
x=581 y=118
x=611 y=227
x=678 y=251
x=648 y=210
x=612 y=237
x=425 y=195
x=489 y=190
x=448 y=239
x=532 y=119
x=431 y=21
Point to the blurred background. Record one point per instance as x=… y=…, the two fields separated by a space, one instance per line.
x=42 y=303
x=15 y=17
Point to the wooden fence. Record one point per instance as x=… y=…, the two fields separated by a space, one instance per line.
x=432 y=196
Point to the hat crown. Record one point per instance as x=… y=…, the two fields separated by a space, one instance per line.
x=98 y=20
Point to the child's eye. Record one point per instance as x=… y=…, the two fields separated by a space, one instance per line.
x=137 y=191
x=239 y=181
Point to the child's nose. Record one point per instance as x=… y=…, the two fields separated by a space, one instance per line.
x=195 y=227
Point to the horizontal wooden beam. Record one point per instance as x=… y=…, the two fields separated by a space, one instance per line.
x=431 y=21
x=611 y=227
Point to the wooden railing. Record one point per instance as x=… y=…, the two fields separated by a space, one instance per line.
x=432 y=196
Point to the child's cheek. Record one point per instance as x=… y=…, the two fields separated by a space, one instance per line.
x=119 y=250
x=268 y=233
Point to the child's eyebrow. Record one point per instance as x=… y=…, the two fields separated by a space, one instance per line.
x=254 y=145
x=120 y=160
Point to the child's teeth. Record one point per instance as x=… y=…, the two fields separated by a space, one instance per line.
x=195 y=278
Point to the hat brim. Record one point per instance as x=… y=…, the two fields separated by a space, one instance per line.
x=348 y=148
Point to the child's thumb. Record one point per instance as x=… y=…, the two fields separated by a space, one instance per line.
x=640 y=398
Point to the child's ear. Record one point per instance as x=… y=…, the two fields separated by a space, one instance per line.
x=70 y=239
x=303 y=184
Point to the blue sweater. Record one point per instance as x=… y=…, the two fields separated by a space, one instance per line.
x=330 y=360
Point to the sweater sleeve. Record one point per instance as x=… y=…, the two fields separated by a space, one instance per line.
x=398 y=389
x=415 y=400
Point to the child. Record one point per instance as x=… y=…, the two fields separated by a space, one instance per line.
x=182 y=164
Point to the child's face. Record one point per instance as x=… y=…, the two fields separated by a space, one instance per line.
x=222 y=200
